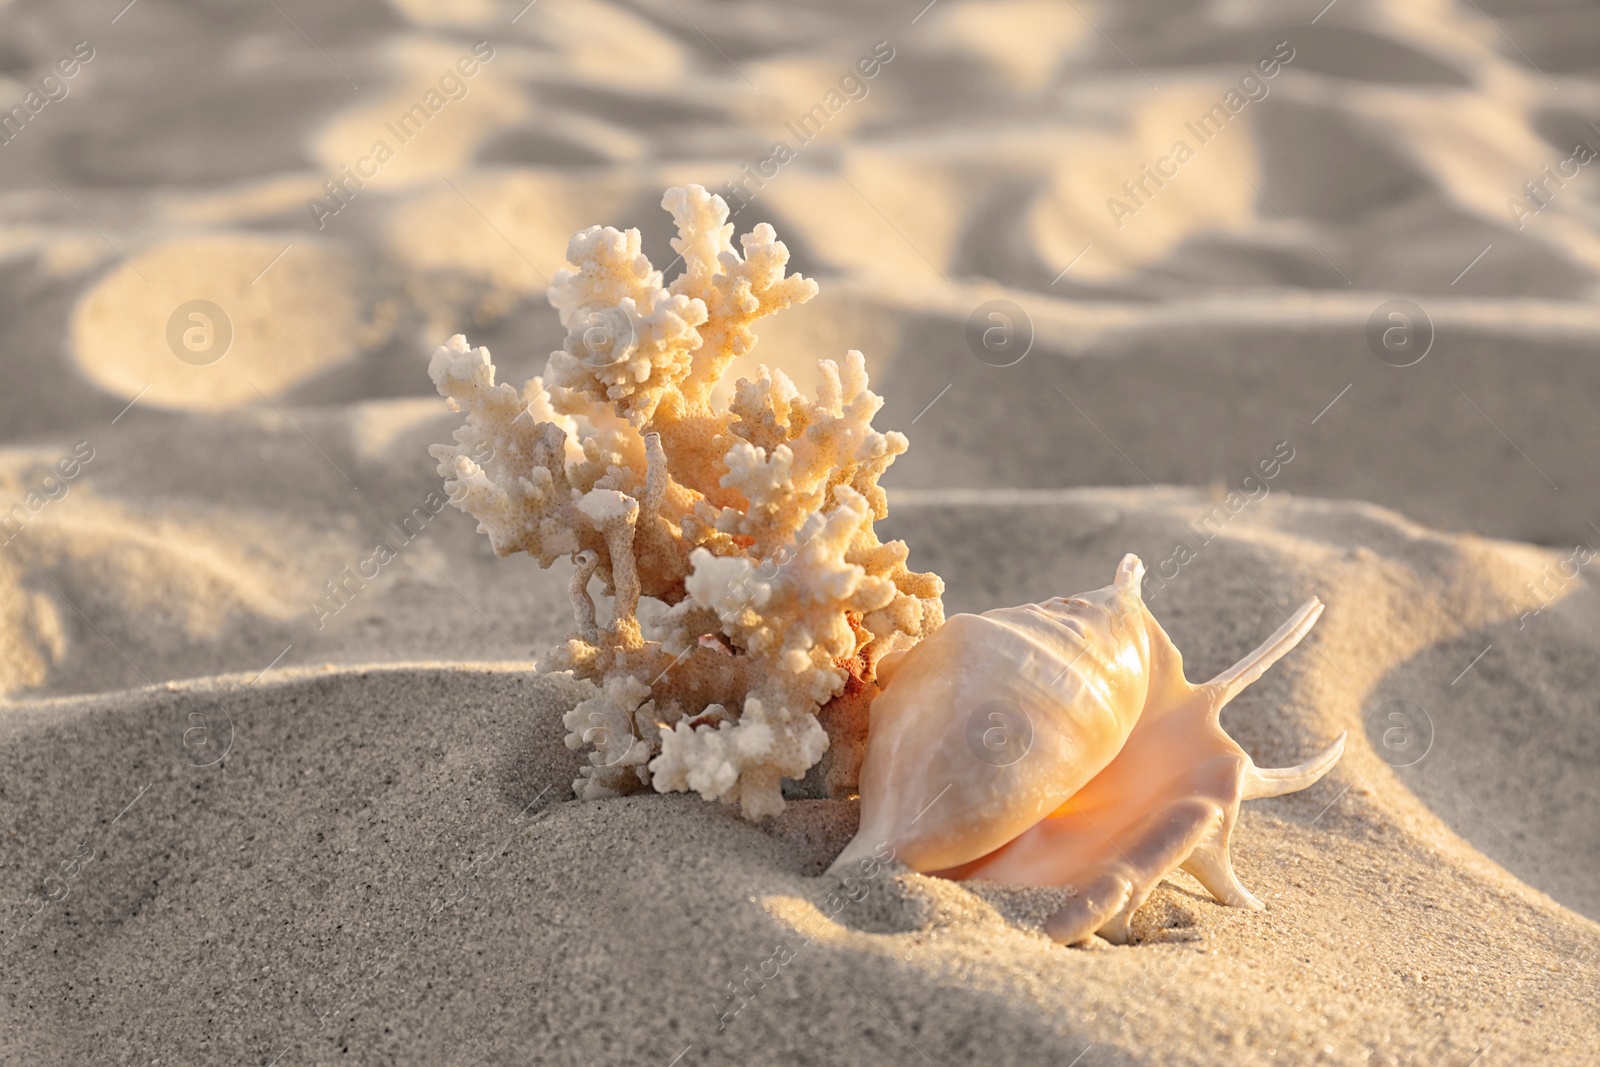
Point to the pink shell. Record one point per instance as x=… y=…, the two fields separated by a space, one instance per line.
x=1061 y=744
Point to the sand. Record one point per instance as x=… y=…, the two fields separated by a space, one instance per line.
x=282 y=827
x=385 y=862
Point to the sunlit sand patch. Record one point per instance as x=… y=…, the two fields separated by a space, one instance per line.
x=67 y=255
x=447 y=99
x=1504 y=572
x=59 y=254
x=185 y=571
x=803 y=919
x=1483 y=154
x=1207 y=187
x=610 y=44
x=32 y=632
x=600 y=136
x=989 y=29
x=270 y=196
x=1442 y=28
x=188 y=568
x=882 y=214
x=1479 y=152
x=18 y=241
x=873 y=915
x=507 y=231
x=289 y=320
x=464 y=13
x=803 y=98
x=377 y=426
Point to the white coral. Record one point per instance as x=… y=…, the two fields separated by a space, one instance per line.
x=741 y=762
x=754 y=525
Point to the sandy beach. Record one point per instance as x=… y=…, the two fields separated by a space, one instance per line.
x=291 y=816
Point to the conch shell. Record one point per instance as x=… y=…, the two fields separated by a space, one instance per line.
x=1060 y=744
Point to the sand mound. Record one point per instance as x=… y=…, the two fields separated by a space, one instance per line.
x=149 y=564
x=216 y=321
x=387 y=859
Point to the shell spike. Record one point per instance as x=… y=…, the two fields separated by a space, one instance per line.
x=1091 y=908
x=1212 y=868
x=1257 y=782
x=1232 y=681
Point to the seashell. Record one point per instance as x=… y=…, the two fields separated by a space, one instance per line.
x=1060 y=744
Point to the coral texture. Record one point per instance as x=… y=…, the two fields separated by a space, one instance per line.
x=751 y=528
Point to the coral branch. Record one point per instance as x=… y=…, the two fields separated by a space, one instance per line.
x=582 y=602
x=752 y=527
